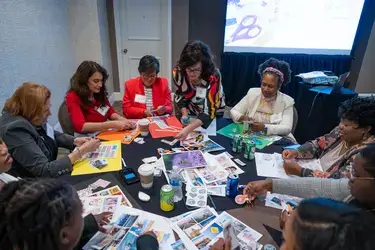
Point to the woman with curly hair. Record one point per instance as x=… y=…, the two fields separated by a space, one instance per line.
x=269 y=110
x=87 y=101
x=336 y=150
x=198 y=87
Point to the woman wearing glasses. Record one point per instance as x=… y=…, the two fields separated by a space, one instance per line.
x=198 y=87
x=336 y=149
x=357 y=189
x=147 y=95
x=87 y=101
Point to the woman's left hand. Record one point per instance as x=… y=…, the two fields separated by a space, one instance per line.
x=291 y=167
x=161 y=110
x=257 y=127
x=80 y=141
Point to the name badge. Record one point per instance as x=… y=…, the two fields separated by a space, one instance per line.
x=102 y=110
x=50 y=132
x=201 y=93
x=140 y=99
x=276 y=118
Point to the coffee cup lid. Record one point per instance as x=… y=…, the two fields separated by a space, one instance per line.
x=144 y=122
x=146 y=168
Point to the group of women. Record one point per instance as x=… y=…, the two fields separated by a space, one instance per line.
x=47 y=212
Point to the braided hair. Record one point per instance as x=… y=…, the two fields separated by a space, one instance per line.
x=278 y=68
x=327 y=224
x=33 y=212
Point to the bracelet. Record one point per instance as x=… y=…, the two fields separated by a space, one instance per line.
x=79 y=151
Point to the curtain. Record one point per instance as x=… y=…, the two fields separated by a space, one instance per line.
x=239 y=70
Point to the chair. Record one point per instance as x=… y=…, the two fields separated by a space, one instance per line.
x=295 y=119
x=65 y=120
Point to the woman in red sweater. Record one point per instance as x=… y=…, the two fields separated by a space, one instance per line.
x=147 y=95
x=88 y=103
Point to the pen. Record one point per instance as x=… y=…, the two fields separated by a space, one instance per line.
x=123 y=162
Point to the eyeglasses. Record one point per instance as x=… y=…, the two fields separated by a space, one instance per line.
x=149 y=75
x=353 y=176
x=195 y=71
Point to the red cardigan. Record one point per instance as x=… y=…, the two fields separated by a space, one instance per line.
x=161 y=96
x=81 y=114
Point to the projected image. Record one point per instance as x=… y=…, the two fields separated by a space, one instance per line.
x=292 y=26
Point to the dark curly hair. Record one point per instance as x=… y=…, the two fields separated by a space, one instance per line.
x=282 y=66
x=328 y=224
x=78 y=82
x=360 y=110
x=194 y=52
x=33 y=212
x=148 y=64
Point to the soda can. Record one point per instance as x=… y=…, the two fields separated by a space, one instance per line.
x=231 y=188
x=237 y=144
x=166 y=198
x=249 y=150
x=269 y=247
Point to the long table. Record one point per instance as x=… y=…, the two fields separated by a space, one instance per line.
x=133 y=155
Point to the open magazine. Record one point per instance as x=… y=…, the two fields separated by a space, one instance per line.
x=126 y=225
x=201 y=228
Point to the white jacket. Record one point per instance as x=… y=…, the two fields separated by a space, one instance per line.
x=282 y=118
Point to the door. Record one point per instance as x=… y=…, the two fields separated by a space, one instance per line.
x=145 y=28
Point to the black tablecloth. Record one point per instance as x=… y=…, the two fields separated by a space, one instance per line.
x=317 y=112
x=133 y=155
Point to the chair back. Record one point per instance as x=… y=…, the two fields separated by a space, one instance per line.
x=295 y=119
x=65 y=120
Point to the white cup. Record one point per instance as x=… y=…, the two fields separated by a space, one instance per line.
x=146 y=175
x=144 y=126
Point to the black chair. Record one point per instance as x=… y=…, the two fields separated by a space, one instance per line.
x=65 y=120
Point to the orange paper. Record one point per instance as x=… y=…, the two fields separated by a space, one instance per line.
x=111 y=135
x=171 y=121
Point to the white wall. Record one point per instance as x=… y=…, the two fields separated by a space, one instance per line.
x=35 y=46
x=366 y=77
x=89 y=34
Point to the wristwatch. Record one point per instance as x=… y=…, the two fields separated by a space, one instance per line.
x=265 y=130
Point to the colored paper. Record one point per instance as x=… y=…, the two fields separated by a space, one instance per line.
x=112 y=135
x=114 y=164
x=261 y=141
x=171 y=121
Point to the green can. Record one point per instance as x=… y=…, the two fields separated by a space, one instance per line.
x=249 y=150
x=237 y=144
x=166 y=198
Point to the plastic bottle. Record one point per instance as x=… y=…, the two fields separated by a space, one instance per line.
x=175 y=181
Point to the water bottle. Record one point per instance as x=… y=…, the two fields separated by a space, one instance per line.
x=175 y=181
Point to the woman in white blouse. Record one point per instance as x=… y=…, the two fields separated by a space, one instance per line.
x=268 y=110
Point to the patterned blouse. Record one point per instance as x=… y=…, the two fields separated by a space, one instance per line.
x=205 y=108
x=265 y=110
x=317 y=148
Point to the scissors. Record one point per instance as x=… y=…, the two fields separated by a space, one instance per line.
x=247 y=25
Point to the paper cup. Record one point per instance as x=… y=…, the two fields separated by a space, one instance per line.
x=146 y=175
x=144 y=127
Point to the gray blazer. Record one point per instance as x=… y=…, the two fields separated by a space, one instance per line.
x=32 y=154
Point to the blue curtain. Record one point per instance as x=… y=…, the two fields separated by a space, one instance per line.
x=239 y=70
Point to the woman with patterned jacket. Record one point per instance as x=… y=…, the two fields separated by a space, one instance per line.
x=336 y=150
x=198 y=87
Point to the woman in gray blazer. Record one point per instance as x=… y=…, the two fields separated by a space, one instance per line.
x=31 y=141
